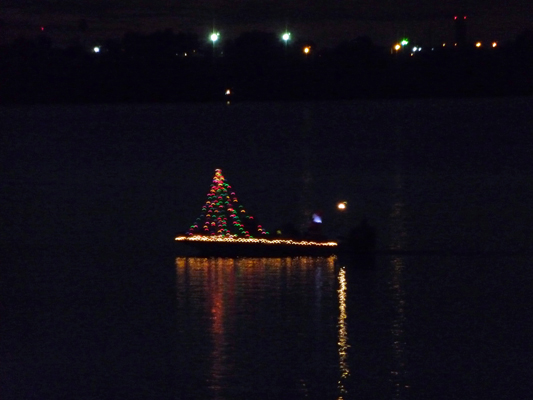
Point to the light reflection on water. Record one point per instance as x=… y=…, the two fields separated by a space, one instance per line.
x=289 y=328
x=343 y=334
x=270 y=325
x=399 y=241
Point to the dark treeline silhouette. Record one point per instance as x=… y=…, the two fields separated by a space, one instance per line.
x=167 y=67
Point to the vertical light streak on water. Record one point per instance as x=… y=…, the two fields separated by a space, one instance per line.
x=343 y=335
x=399 y=237
x=398 y=372
x=221 y=277
x=318 y=294
x=214 y=281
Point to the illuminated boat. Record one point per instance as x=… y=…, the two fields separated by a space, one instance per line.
x=254 y=247
x=224 y=228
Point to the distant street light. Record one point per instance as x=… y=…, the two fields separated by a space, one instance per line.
x=478 y=44
x=342 y=205
x=286 y=36
x=96 y=49
x=214 y=37
x=404 y=42
x=307 y=49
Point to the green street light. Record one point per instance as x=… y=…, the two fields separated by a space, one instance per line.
x=404 y=42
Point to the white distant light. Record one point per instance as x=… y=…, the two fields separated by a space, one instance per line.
x=415 y=49
x=228 y=92
x=214 y=37
x=286 y=36
x=96 y=49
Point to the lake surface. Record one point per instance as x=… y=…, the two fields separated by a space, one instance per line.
x=99 y=304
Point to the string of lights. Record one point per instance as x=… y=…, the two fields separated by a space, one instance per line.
x=220 y=239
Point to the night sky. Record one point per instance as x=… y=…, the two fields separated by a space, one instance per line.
x=325 y=21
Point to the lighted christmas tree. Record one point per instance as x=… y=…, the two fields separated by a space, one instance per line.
x=223 y=216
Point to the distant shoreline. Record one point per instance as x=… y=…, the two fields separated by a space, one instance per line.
x=170 y=68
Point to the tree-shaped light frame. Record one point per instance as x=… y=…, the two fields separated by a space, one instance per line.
x=222 y=215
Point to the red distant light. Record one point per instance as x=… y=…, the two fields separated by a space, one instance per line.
x=464 y=17
x=42 y=28
x=455 y=17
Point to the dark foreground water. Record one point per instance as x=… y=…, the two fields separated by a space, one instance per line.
x=96 y=302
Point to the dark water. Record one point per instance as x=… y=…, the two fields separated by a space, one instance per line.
x=97 y=303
